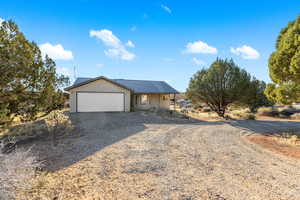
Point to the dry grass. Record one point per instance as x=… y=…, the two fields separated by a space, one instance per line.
x=290 y=138
x=160 y=159
x=55 y=124
x=243 y=114
x=17 y=169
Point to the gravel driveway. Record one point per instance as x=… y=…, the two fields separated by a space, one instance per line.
x=141 y=156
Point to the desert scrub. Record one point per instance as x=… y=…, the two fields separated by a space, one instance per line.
x=267 y=111
x=57 y=120
x=295 y=116
x=17 y=170
x=244 y=114
x=251 y=116
x=291 y=138
x=56 y=123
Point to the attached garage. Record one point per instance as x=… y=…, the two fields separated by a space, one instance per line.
x=100 y=102
x=99 y=95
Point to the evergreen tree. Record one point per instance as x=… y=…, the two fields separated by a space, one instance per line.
x=28 y=84
x=284 y=66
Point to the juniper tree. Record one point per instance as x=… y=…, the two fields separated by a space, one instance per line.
x=284 y=66
x=27 y=82
x=222 y=84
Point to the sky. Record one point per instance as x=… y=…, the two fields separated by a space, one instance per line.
x=152 y=40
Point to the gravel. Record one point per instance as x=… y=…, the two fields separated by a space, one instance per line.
x=142 y=156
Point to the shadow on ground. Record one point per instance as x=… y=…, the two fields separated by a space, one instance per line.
x=266 y=127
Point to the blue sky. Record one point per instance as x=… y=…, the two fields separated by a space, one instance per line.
x=152 y=40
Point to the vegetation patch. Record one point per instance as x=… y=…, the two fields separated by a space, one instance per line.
x=56 y=124
x=17 y=170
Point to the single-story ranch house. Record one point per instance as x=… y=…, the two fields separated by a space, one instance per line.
x=101 y=94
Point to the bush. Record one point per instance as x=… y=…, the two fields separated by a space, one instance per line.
x=295 y=116
x=267 y=111
x=206 y=109
x=287 y=110
x=243 y=114
x=291 y=138
x=17 y=169
x=251 y=116
x=58 y=121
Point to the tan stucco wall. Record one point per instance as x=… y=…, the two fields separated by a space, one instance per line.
x=155 y=100
x=99 y=86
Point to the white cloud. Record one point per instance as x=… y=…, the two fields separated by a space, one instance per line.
x=117 y=49
x=130 y=44
x=245 y=52
x=107 y=37
x=99 y=65
x=167 y=9
x=1 y=20
x=56 y=52
x=133 y=28
x=120 y=53
x=200 y=47
x=198 y=61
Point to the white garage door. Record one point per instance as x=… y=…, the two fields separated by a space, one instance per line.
x=100 y=102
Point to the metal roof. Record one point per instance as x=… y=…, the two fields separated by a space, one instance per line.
x=137 y=86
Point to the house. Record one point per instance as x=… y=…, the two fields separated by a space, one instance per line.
x=101 y=94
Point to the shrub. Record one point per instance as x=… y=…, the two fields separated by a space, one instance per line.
x=58 y=121
x=244 y=114
x=17 y=169
x=291 y=138
x=206 y=109
x=295 y=116
x=287 y=110
x=267 y=111
x=251 y=116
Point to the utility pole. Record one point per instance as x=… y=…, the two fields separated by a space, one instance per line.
x=74 y=72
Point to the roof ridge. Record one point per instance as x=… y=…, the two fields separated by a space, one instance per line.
x=135 y=80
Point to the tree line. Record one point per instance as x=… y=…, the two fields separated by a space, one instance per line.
x=224 y=83
x=29 y=83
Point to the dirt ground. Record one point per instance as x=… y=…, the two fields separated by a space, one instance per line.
x=274 y=143
x=142 y=156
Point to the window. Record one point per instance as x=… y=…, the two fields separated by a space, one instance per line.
x=164 y=98
x=144 y=99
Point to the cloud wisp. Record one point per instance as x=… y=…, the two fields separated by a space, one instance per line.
x=197 y=61
x=130 y=44
x=116 y=48
x=166 y=8
x=246 y=52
